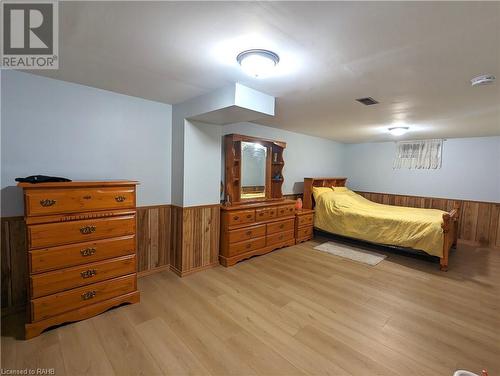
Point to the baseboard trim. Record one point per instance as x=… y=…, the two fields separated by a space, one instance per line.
x=191 y=271
x=158 y=269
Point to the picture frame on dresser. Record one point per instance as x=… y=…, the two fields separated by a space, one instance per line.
x=81 y=250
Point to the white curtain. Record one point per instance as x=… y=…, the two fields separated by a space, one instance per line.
x=424 y=154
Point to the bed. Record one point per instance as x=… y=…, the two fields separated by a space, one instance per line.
x=343 y=212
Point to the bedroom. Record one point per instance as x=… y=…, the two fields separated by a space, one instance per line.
x=256 y=188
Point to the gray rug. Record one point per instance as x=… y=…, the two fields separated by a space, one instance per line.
x=351 y=253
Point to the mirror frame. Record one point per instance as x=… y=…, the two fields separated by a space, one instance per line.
x=232 y=172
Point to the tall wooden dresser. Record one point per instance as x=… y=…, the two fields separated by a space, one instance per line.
x=81 y=250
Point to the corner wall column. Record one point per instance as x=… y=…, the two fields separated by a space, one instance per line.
x=195 y=238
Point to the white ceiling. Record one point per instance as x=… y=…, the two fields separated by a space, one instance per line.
x=415 y=58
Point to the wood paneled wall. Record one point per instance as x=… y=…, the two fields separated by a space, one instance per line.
x=14 y=259
x=153 y=238
x=195 y=232
x=479 y=222
x=182 y=239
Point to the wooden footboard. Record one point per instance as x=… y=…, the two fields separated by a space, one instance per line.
x=450 y=231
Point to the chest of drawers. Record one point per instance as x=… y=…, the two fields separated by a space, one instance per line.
x=81 y=250
x=304 y=223
x=255 y=229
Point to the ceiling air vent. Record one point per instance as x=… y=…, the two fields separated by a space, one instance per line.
x=368 y=101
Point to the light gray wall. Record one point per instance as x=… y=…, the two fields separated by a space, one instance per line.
x=185 y=159
x=305 y=156
x=196 y=159
x=202 y=163
x=57 y=128
x=254 y=100
x=470 y=170
x=53 y=127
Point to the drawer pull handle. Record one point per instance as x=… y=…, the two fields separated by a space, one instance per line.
x=88 y=273
x=87 y=252
x=249 y=233
x=249 y=215
x=47 y=202
x=236 y=217
x=261 y=214
x=87 y=197
x=120 y=198
x=88 y=295
x=248 y=246
x=87 y=230
x=282 y=226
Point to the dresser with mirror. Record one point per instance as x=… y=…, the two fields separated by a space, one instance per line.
x=255 y=218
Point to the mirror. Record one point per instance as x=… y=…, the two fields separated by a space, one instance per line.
x=253 y=170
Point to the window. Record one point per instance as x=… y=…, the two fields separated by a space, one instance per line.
x=424 y=154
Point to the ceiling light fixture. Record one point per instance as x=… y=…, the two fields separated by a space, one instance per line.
x=257 y=62
x=398 y=131
x=484 y=79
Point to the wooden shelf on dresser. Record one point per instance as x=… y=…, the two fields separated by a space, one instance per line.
x=255 y=229
x=82 y=250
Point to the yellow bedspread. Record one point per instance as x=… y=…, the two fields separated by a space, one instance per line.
x=349 y=214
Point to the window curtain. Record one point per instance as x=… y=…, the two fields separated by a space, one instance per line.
x=424 y=154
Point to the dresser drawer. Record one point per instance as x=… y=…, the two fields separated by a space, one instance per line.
x=53 y=305
x=238 y=217
x=279 y=237
x=264 y=214
x=246 y=233
x=52 y=234
x=304 y=220
x=246 y=246
x=65 y=279
x=70 y=200
x=280 y=226
x=304 y=232
x=287 y=210
x=47 y=259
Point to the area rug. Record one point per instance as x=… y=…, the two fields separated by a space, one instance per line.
x=351 y=253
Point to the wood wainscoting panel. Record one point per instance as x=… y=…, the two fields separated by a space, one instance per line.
x=153 y=237
x=195 y=238
x=479 y=222
x=14 y=256
x=176 y=253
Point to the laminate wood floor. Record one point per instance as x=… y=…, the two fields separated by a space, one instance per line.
x=294 y=311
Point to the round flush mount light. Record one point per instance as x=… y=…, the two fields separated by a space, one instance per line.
x=484 y=79
x=398 y=131
x=257 y=62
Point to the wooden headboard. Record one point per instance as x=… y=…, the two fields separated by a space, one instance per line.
x=309 y=183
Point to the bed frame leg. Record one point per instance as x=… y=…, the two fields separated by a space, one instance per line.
x=443 y=264
x=450 y=234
